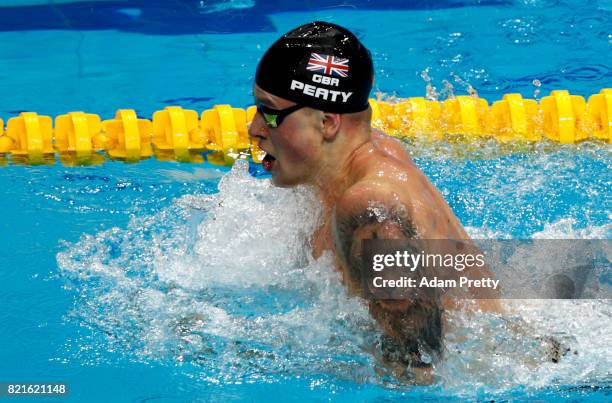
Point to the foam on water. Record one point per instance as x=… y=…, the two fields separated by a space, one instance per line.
x=225 y=283
x=514 y=349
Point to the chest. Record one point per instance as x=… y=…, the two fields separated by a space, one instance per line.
x=322 y=239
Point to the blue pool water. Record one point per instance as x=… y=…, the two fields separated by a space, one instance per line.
x=179 y=282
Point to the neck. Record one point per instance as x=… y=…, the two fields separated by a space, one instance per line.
x=337 y=173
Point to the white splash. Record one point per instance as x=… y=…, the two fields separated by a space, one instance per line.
x=227 y=282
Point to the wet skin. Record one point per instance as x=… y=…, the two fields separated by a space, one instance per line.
x=355 y=171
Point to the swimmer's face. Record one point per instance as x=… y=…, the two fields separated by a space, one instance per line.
x=293 y=149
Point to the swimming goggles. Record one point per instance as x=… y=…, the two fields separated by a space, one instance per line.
x=274 y=117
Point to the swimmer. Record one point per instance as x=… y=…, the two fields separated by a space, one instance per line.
x=314 y=124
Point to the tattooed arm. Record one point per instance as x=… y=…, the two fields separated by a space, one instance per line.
x=367 y=211
x=411 y=326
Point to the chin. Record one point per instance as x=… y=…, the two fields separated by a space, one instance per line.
x=280 y=184
x=283 y=182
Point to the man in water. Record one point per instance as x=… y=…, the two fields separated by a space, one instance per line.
x=314 y=123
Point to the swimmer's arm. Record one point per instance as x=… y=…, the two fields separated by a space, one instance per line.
x=355 y=220
x=371 y=211
x=368 y=211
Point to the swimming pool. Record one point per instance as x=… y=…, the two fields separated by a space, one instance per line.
x=177 y=282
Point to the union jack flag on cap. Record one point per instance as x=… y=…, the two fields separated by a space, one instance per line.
x=328 y=65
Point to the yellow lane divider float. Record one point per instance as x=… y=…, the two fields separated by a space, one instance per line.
x=226 y=134
x=29 y=135
x=220 y=134
x=515 y=118
x=126 y=137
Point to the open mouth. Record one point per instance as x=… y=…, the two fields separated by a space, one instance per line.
x=268 y=162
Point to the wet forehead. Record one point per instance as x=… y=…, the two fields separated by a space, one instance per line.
x=270 y=100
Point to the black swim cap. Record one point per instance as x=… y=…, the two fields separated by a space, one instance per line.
x=320 y=65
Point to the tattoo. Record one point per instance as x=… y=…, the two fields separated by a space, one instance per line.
x=344 y=229
x=417 y=333
x=414 y=331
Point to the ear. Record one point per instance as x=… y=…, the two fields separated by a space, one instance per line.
x=330 y=125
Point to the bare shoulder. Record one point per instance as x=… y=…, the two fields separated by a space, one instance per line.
x=360 y=195
x=370 y=209
x=390 y=145
x=371 y=196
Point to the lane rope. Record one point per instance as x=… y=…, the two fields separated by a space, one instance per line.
x=220 y=134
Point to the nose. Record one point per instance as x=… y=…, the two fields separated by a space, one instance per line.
x=257 y=128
